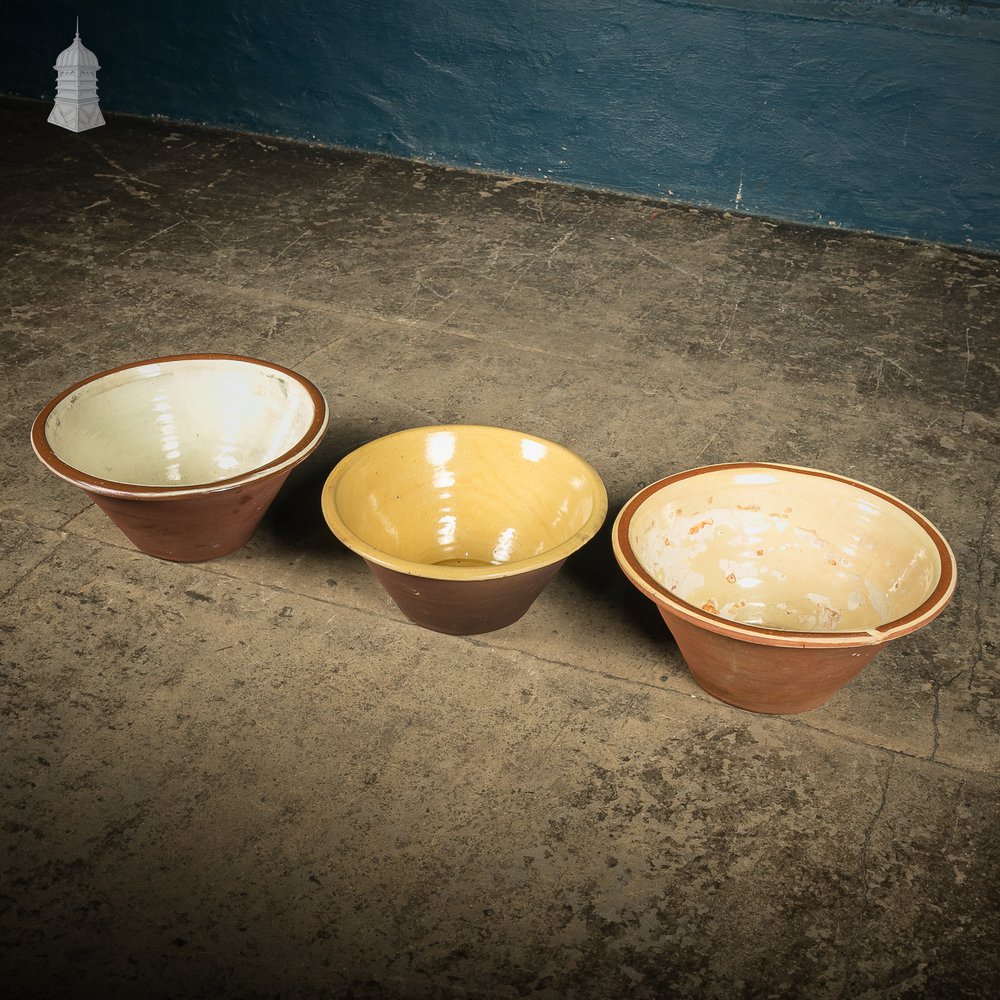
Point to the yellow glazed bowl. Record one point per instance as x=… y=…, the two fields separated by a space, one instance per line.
x=780 y=583
x=184 y=453
x=462 y=524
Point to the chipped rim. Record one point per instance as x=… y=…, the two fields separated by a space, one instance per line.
x=667 y=601
x=133 y=491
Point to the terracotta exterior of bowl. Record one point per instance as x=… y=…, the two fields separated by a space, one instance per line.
x=189 y=523
x=193 y=528
x=464 y=608
x=766 y=670
x=771 y=680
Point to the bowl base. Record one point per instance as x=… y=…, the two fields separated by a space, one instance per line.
x=464 y=607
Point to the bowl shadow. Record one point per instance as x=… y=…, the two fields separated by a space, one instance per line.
x=295 y=518
x=295 y=521
x=595 y=570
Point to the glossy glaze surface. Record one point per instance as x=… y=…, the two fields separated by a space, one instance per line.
x=463 y=502
x=786 y=549
x=779 y=583
x=183 y=453
x=783 y=549
x=180 y=424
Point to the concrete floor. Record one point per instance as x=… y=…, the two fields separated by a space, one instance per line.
x=253 y=778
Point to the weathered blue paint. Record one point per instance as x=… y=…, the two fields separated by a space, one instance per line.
x=877 y=115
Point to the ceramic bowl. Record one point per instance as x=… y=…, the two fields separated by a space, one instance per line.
x=780 y=583
x=463 y=525
x=183 y=453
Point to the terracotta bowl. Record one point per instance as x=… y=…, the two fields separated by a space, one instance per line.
x=780 y=583
x=463 y=525
x=183 y=453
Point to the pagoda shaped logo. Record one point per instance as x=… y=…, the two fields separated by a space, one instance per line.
x=76 y=106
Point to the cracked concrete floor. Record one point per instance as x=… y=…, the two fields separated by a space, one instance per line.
x=253 y=778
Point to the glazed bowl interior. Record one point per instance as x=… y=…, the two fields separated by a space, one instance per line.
x=181 y=422
x=789 y=549
x=463 y=502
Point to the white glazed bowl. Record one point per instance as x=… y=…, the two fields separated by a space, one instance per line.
x=184 y=424
x=186 y=427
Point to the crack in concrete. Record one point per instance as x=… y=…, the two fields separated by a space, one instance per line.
x=122 y=174
x=965 y=379
x=61 y=541
x=936 y=722
x=979 y=630
x=148 y=239
x=849 y=957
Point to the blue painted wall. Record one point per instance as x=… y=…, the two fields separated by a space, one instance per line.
x=877 y=115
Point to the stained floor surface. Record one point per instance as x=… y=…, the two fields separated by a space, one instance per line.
x=254 y=778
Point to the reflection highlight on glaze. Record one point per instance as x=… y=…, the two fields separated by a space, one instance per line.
x=784 y=542
x=533 y=451
x=504 y=548
x=439 y=448
x=166 y=427
x=754 y=479
x=446 y=530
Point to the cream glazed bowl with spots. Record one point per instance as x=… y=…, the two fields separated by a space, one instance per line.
x=780 y=583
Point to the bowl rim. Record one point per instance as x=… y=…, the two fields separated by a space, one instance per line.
x=109 y=487
x=667 y=601
x=430 y=571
